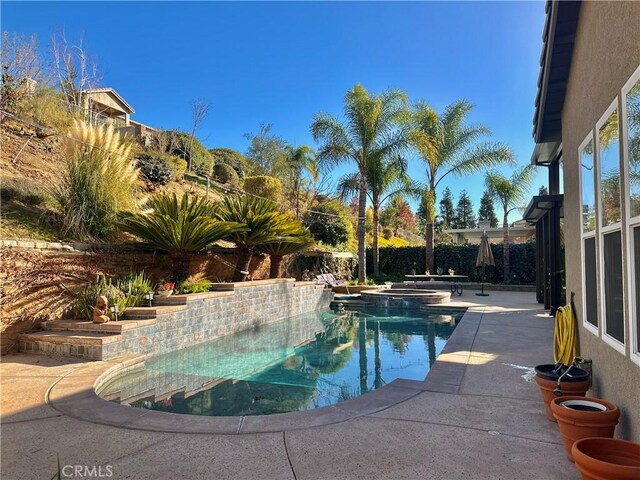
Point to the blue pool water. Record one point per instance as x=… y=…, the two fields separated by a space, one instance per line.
x=301 y=363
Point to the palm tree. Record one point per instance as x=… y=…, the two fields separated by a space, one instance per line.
x=263 y=223
x=181 y=228
x=283 y=246
x=386 y=178
x=300 y=160
x=374 y=127
x=449 y=146
x=509 y=192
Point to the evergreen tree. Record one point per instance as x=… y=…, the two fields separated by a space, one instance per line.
x=447 y=212
x=486 y=211
x=465 y=218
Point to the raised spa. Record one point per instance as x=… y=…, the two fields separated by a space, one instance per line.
x=404 y=297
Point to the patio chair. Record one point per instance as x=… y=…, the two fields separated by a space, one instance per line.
x=331 y=280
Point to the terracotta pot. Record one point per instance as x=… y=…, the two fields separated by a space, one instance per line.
x=582 y=417
x=547 y=388
x=607 y=459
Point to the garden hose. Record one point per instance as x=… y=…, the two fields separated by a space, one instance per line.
x=565 y=336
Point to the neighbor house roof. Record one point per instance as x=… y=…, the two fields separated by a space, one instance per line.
x=558 y=39
x=112 y=92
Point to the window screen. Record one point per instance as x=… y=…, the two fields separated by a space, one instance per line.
x=590 y=284
x=613 y=289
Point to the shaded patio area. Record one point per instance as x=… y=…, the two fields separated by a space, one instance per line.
x=476 y=415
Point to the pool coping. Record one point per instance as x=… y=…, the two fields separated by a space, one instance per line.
x=75 y=395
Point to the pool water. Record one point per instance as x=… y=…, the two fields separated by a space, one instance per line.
x=301 y=363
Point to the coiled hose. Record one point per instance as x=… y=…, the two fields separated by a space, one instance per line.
x=565 y=336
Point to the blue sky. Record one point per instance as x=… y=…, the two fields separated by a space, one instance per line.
x=281 y=63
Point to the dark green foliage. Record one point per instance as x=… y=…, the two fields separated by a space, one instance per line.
x=155 y=169
x=23 y=190
x=486 y=211
x=264 y=186
x=236 y=160
x=224 y=173
x=465 y=218
x=330 y=230
x=462 y=258
x=447 y=212
x=182 y=145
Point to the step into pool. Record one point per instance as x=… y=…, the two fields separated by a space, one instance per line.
x=304 y=362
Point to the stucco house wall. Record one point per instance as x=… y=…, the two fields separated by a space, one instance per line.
x=606 y=54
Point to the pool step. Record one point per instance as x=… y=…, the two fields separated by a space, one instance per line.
x=90 y=345
x=84 y=326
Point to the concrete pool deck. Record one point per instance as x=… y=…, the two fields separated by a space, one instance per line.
x=474 y=417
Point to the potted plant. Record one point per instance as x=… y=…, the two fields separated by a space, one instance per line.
x=555 y=381
x=165 y=289
x=452 y=271
x=608 y=458
x=582 y=417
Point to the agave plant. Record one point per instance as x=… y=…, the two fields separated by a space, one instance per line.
x=280 y=247
x=180 y=227
x=263 y=221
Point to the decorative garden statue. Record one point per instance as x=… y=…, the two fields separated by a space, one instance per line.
x=100 y=310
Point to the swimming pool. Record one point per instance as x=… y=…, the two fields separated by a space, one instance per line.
x=301 y=363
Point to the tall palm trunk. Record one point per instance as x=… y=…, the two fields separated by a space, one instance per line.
x=276 y=265
x=430 y=230
x=242 y=265
x=429 y=260
x=376 y=246
x=362 y=247
x=505 y=246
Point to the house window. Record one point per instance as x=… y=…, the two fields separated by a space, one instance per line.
x=609 y=171
x=613 y=286
x=631 y=174
x=589 y=259
x=610 y=232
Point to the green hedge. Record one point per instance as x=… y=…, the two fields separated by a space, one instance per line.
x=462 y=258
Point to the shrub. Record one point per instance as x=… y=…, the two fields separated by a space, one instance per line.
x=155 y=169
x=128 y=291
x=47 y=108
x=177 y=165
x=237 y=161
x=23 y=190
x=98 y=182
x=461 y=258
x=194 y=287
x=387 y=233
x=333 y=229
x=181 y=144
x=226 y=174
x=264 y=186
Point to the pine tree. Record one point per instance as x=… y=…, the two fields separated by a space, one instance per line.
x=447 y=212
x=465 y=218
x=486 y=212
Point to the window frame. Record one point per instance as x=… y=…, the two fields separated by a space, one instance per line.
x=601 y=231
x=632 y=223
x=594 y=329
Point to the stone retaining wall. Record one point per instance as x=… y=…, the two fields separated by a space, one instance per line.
x=208 y=316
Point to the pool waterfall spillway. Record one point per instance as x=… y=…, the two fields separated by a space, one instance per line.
x=180 y=321
x=404 y=298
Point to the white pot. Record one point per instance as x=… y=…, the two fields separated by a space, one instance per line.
x=164 y=293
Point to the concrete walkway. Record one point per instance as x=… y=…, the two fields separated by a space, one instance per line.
x=476 y=416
